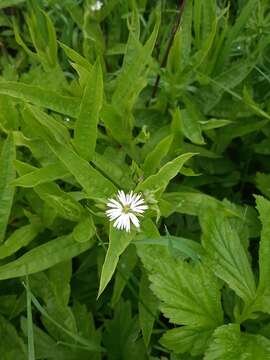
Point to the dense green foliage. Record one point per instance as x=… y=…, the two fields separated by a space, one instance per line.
x=167 y=98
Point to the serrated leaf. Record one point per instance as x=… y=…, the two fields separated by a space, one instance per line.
x=226 y=253
x=262 y=182
x=85 y=132
x=7 y=175
x=263 y=207
x=193 y=340
x=189 y=292
x=230 y=344
x=263 y=290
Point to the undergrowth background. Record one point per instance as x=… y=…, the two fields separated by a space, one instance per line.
x=167 y=98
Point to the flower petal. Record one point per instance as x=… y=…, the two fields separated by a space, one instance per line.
x=134 y=220
x=114 y=204
x=122 y=197
x=140 y=209
x=113 y=213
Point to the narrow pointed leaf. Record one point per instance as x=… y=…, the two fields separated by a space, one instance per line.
x=85 y=132
x=7 y=175
x=118 y=242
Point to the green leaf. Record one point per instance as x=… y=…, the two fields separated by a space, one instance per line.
x=126 y=264
x=91 y=180
x=89 y=345
x=43 y=175
x=214 y=124
x=41 y=97
x=115 y=124
x=189 y=291
x=137 y=57
x=85 y=132
x=262 y=183
x=190 y=119
x=230 y=344
x=120 y=175
x=121 y=335
x=235 y=30
x=30 y=330
x=148 y=306
x=118 y=242
x=76 y=57
x=11 y=345
x=186 y=202
x=180 y=50
x=85 y=229
x=19 y=238
x=263 y=290
x=188 y=248
x=193 y=340
x=263 y=207
x=44 y=256
x=52 y=46
x=10 y=3
x=42 y=122
x=7 y=174
x=165 y=174
x=153 y=159
x=54 y=196
x=226 y=254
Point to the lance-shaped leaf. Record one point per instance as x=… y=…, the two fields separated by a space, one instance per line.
x=19 y=238
x=44 y=256
x=85 y=132
x=42 y=175
x=118 y=242
x=153 y=159
x=41 y=97
x=7 y=174
x=91 y=180
x=165 y=174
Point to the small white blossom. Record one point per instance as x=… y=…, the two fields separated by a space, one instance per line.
x=97 y=6
x=125 y=210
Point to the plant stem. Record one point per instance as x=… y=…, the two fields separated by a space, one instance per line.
x=170 y=43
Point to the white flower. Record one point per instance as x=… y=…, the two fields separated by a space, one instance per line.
x=97 y=6
x=125 y=210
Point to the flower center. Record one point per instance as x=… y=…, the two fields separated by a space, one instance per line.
x=126 y=209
